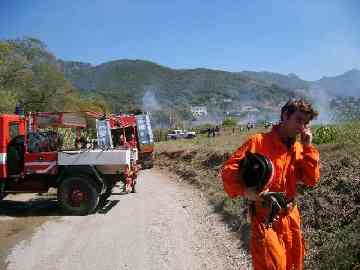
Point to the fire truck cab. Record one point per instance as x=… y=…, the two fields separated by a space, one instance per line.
x=12 y=130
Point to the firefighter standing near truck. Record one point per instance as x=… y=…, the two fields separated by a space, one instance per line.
x=276 y=238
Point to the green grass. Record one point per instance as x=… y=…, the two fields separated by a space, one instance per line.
x=226 y=142
x=344 y=133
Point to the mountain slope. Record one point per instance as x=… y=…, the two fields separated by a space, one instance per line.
x=290 y=81
x=131 y=80
x=137 y=84
x=347 y=84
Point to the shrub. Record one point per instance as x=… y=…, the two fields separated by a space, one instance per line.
x=325 y=134
x=338 y=249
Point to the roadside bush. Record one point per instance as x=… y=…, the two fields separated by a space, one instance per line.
x=338 y=249
x=325 y=134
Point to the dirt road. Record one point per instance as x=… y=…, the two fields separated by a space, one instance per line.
x=166 y=225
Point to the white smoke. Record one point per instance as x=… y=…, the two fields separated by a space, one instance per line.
x=149 y=100
x=322 y=101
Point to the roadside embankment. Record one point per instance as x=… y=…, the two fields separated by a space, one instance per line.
x=331 y=218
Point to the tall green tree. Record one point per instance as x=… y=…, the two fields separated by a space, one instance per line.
x=29 y=76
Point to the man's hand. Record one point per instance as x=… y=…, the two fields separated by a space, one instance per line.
x=306 y=136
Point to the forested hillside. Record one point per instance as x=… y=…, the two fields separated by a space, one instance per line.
x=290 y=81
x=129 y=84
x=30 y=77
x=169 y=93
x=347 y=84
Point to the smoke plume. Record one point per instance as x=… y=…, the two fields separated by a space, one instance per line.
x=149 y=100
x=322 y=101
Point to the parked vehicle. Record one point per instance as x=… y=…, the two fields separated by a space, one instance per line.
x=190 y=134
x=34 y=156
x=180 y=134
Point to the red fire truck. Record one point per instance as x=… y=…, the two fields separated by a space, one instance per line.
x=34 y=156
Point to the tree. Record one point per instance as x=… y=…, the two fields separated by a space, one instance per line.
x=14 y=68
x=47 y=91
x=29 y=75
x=8 y=101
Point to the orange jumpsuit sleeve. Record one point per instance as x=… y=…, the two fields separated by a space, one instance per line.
x=230 y=171
x=307 y=167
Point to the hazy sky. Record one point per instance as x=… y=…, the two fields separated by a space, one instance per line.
x=311 y=38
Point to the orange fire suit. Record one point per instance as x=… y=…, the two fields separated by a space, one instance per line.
x=281 y=245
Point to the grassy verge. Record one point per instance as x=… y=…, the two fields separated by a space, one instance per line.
x=330 y=211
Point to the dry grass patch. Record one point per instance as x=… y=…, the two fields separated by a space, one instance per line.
x=330 y=211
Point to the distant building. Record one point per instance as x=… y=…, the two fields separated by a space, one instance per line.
x=199 y=111
x=227 y=100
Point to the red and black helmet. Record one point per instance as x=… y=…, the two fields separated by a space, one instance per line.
x=257 y=171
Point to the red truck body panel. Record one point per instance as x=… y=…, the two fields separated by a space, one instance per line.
x=41 y=163
x=10 y=126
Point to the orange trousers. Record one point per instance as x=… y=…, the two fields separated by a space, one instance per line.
x=280 y=246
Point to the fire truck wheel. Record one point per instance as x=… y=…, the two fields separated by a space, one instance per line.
x=78 y=195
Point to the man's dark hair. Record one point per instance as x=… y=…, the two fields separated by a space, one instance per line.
x=299 y=105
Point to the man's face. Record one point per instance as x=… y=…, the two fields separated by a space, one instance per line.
x=295 y=123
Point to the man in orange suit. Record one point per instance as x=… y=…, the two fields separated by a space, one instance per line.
x=278 y=244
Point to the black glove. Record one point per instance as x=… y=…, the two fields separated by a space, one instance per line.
x=275 y=201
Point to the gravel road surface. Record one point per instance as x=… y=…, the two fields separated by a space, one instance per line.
x=165 y=225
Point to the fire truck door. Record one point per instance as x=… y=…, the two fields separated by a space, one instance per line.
x=41 y=163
